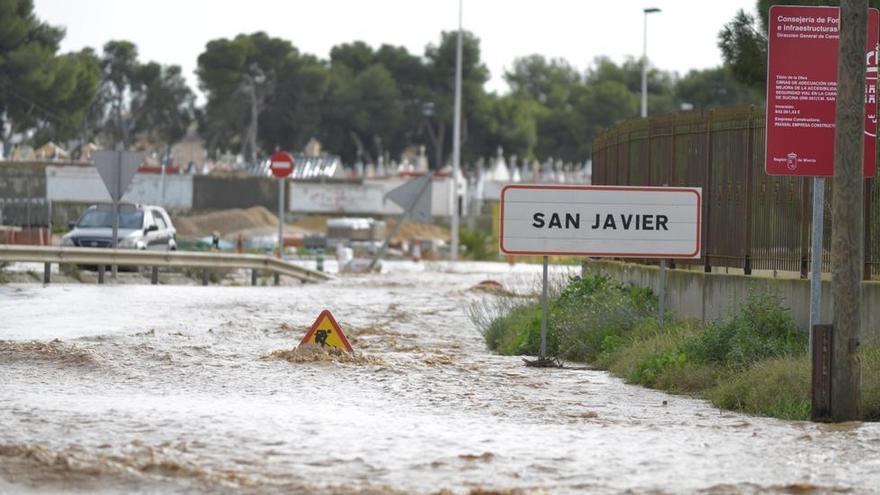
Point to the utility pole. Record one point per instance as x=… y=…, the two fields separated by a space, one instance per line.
x=847 y=223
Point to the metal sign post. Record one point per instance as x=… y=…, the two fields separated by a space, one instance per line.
x=543 y=353
x=414 y=197
x=281 y=165
x=816 y=255
x=661 y=293
x=117 y=169
x=281 y=218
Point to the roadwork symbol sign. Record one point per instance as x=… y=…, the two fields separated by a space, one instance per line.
x=326 y=332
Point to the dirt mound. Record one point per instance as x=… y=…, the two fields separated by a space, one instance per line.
x=313 y=223
x=54 y=351
x=75 y=462
x=312 y=353
x=411 y=230
x=225 y=221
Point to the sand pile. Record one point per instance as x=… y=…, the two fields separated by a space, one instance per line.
x=313 y=223
x=260 y=221
x=225 y=222
x=310 y=353
x=410 y=230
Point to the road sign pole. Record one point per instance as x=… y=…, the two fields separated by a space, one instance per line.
x=661 y=297
x=414 y=197
x=544 y=312
x=816 y=255
x=118 y=186
x=281 y=218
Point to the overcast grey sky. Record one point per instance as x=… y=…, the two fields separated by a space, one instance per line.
x=681 y=37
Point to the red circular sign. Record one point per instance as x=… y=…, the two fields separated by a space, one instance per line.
x=281 y=164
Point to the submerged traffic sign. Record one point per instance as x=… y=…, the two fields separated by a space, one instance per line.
x=414 y=196
x=614 y=221
x=326 y=332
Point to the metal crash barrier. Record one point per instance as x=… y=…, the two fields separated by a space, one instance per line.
x=156 y=259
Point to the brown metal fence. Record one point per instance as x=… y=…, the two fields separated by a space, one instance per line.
x=751 y=220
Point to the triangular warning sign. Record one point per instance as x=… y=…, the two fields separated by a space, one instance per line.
x=326 y=332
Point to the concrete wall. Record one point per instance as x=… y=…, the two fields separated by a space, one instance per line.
x=221 y=193
x=70 y=188
x=712 y=296
x=82 y=184
x=367 y=198
x=22 y=180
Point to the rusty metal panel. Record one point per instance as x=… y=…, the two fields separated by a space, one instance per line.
x=821 y=383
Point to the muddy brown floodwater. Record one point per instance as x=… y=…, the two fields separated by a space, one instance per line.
x=146 y=389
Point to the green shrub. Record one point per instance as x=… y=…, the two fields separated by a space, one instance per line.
x=591 y=315
x=518 y=332
x=595 y=314
x=478 y=244
x=761 y=329
x=870 y=357
x=777 y=387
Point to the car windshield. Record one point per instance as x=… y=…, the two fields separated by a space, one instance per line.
x=104 y=218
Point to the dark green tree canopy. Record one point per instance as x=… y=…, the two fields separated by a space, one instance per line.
x=41 y=90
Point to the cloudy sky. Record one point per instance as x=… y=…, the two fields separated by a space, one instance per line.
x=681 y=37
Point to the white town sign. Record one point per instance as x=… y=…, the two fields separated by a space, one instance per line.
x=612 y=221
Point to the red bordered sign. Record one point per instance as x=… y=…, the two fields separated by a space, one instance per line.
x=802 y=90
x=603 y=221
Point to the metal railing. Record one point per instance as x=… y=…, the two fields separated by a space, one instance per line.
x=751 y=220
x=156 y=259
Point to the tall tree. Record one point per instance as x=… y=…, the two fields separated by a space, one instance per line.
x=162 y=105
x=712 y=87
x=438 y=111
x=119 y=66
x=548 y=82
x=39 y=89
x=252 y=83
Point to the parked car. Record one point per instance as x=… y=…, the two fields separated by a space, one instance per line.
x=140 y=227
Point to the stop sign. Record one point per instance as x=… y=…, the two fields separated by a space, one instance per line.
x=281 y=164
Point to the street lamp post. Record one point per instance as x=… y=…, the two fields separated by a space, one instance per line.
x=456 y=143
x=661 y=293
x=650 y=10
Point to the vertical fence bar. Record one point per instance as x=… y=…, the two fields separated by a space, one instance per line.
x=750 y=166
x=707 y=197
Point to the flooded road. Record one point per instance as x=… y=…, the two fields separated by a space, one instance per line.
x=144 y=389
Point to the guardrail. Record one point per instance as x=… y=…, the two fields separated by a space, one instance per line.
x=156 y=259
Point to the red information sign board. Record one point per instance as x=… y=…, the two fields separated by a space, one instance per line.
x=802 y=90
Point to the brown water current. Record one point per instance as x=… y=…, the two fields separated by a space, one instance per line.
x=146 y=389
